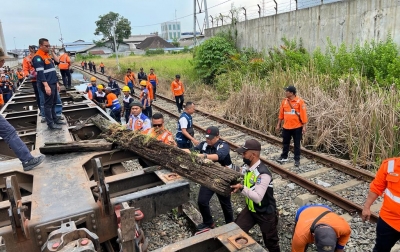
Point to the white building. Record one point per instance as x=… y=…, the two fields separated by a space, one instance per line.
x=171 y=30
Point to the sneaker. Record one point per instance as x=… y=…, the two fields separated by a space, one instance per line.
x=281 y=160
x=297 y=163
x=60 y=117
x=43 y=120
x=202 y=226
x=29 y=165
x=55 y=127
x=60 y=122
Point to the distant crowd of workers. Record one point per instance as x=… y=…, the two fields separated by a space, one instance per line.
x=314 y=223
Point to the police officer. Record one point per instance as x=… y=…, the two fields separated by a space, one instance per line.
x=259 y=193
x=185 y=133
x=216 y=150
x=387 y=181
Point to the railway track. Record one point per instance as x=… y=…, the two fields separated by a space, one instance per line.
x=312 y=179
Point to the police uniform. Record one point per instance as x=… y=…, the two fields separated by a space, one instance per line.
x=260 y=201
x=222 y=150
x=127 y=100
x=182 y=141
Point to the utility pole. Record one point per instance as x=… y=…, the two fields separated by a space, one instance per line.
x=59 y=26
x=263 y=7
x=194 y=22
x=115 y=45
x=206 y=13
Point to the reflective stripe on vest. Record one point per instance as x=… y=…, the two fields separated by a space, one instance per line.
x=115 y=104
x=138 y=123
x=389 y=194
x=249 y=182
x=390 y=168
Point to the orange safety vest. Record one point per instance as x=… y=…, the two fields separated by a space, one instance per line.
x=65 y=61
x=27 y=66
x=139 y=123
x=101 y=65
x=387 y=181
x=20 y=75
x=177 y=88
x=165 y=137
x=290 y=115
x=82 y=64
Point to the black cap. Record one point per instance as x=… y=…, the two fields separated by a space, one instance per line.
x=325 y=238
x=141 y=68
x=290 y=89
x=177 y=76
x=109 y=77
x=135 y=104
x=250 y=144
x=212 y=132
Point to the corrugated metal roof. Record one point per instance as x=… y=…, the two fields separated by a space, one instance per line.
x=78 y=48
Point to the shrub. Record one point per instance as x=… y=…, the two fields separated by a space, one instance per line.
x=154 y=52
x=211 y=58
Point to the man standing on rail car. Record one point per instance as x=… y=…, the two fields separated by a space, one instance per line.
x=137 y=120
x=319 y=225
x=216 y=150
x=258 y=189
x=94 y=67
x=30 y=73
x=177 y=92
x=48 y=82
x=127 y=100
x=152 y=78
x=387 y=181
x=185 y=132
x=158 y=131
x=114 y=86
x=90 y=66
x=85 y=65
x=113 y=104
x=293 y=113
x=130 y=80
x=65 y=64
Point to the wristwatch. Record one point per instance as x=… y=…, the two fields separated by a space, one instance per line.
x=204 y=155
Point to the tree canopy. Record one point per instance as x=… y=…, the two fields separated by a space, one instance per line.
x=105 y=27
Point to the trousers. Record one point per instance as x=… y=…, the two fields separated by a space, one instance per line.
x=287 y=135
x=50 y=104
x=203 y=201
x=58 y=103
x=386 y=237
x=179 y=102
x=66 y=77
x=9 y=134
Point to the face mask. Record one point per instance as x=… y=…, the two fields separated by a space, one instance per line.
x=247 y=161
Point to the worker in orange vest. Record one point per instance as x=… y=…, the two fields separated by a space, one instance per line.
x=30 y=73
x=130 y=80
x=387 y=181
x=83 y=66
x=319 y=225
x=20 y=76
x=158 y=130
x=102 y=68
x=152 y=78
x=113 y=104
x=294 y=115
x=138 y=120
x=91 y=88
x=65 y=63
x=177 y=92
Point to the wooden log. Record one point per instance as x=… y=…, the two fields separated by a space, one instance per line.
x=212 y=175
x=86 y=145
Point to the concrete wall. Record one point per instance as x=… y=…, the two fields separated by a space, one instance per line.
x=348 y=21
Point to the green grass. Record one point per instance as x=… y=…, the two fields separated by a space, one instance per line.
x=165 y=66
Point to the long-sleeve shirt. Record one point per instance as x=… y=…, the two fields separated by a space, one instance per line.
x=257 y=193
x=130 y=78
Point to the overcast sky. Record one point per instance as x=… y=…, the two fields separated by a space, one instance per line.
x=29 y=20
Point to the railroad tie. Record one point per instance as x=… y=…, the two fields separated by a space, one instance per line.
x=303 y=199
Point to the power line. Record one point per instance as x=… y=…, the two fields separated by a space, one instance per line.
x=180 y=17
